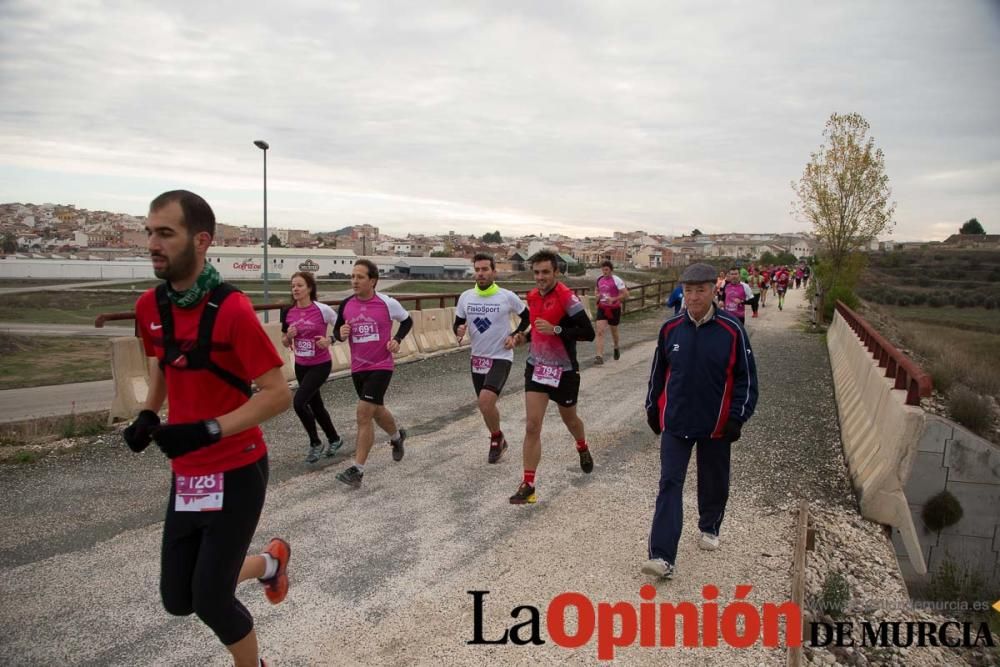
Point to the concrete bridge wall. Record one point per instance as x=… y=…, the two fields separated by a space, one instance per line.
x=879 y=433
x=899 y=457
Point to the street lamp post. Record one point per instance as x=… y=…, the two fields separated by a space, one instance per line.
x=263 y=145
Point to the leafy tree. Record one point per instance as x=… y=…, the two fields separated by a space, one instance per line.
x=9 y=243
x=274 y=241
x=767 y=258
x=844 y=190
x=784 y=257
x=972 y=227
x=440 y=253
x=493 y=237
x=696 y=232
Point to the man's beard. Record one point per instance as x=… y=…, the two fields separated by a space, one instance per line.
x=180 y=267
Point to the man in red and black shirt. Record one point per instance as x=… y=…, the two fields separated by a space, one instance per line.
x=558 y=321
x=212 y=438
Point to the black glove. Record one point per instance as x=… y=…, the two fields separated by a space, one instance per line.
x=137 y=435
x=178 y=439
x=733 y=430
x=653 y=420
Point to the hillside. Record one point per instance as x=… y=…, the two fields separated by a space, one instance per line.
x=934 y=277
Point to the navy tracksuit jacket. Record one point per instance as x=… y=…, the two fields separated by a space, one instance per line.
x=701 y=377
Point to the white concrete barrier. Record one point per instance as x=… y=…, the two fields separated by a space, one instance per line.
x=273 y=331
x=340 y=354
x=130 y=373
x=435 y=333
x=879 y=432
x=408 y=350
x=450 y=318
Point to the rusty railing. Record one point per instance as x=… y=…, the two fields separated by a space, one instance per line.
x=645 y=299
x=907 y=374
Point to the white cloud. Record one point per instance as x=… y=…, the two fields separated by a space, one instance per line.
x=555 y=115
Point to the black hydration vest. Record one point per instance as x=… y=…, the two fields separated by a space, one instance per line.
x=198 y=357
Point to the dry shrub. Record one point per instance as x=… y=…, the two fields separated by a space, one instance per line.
x=942 y=374
x=982 y=377
x=970 y=409
x=950 y=355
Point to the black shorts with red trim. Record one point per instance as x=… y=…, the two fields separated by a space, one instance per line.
x=613 y=316
x=494 y=379
x=372 y=385
x=566 y=394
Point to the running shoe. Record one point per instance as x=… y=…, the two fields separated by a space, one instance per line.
x=618 y=354
x=708 y=542
x=586 y=461
x=525 y=495
x=397 y=445
x=658 y=567
x=315 y=450
x=276 y=588
x=598 y=361
x=497 y=448
x=334 y=447
x=351 y=477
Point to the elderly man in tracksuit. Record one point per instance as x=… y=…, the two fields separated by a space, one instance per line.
x=702 y=388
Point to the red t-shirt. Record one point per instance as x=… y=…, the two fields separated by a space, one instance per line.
x=556 y=307
x=239 y=345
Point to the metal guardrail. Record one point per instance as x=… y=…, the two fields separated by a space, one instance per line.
x=443 y=301
x=907 y=374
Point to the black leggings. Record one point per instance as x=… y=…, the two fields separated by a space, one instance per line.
x=308 y=401
x=204 y=551
x=754 y=302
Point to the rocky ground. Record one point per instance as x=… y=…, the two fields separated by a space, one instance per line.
x=381 y=576
x=859 y=552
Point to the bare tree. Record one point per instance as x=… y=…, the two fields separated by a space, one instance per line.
x=844 y=190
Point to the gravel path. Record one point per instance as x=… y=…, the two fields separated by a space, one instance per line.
x=380 y=576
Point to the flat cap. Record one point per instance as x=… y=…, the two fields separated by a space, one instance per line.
x=699 y=273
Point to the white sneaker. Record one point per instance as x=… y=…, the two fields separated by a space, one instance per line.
x=708 y=542
x=658 y=567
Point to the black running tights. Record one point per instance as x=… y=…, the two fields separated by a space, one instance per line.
x=204 y=551
x=308 y=401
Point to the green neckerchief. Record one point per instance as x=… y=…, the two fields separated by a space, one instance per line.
x=208 y=280
x=489 y=291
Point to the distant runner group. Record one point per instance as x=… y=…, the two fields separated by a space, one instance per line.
x=206 y=348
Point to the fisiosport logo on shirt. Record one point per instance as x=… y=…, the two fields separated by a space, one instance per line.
x=482 y=308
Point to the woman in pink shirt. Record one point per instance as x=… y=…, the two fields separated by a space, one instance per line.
x=304 y=331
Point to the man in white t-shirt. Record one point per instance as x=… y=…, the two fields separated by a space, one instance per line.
x=484 y=313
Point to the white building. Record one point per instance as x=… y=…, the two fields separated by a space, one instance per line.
x=244 y=263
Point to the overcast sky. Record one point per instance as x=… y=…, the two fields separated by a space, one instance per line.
x=535 y=116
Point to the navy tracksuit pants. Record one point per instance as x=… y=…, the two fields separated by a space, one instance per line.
x=712 y=458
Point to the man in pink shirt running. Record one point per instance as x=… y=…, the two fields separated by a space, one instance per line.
x=365 y=321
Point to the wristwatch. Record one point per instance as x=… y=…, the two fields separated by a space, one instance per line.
x=214 y=429
x=557 y=329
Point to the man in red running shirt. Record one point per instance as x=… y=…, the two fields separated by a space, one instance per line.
x=558 y=321
x=212 y=438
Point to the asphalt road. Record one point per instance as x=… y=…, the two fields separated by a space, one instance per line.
x=380 y=575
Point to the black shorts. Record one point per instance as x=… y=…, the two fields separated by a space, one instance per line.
x=372 y=385
x=494 y=379
x=565 y=394
x=614 y=319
